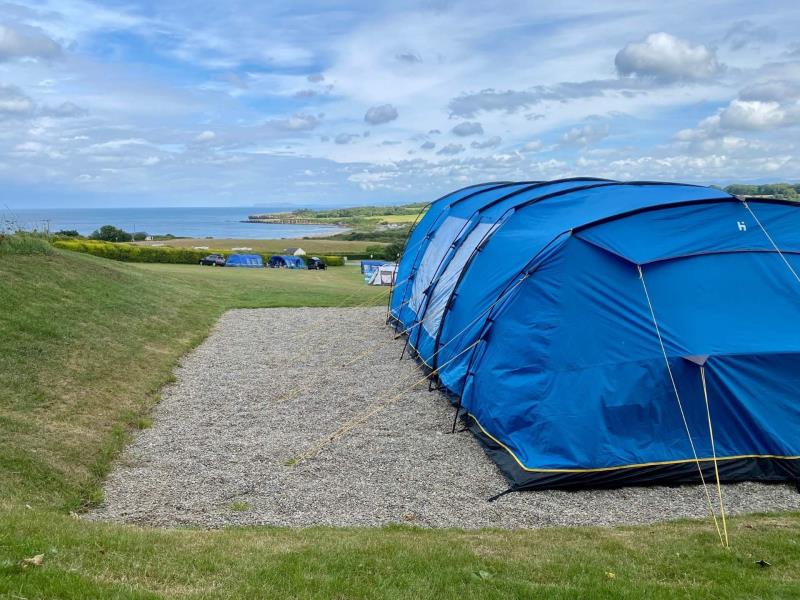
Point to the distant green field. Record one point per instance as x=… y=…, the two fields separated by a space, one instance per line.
x=86 y=345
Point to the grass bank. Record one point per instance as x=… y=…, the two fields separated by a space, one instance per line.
x=86 y=343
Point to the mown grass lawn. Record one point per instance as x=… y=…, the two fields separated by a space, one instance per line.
x=85 y=346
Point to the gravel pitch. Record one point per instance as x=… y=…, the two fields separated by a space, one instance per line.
x=269 y=384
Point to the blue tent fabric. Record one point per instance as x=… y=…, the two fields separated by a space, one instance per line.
x=480 y=226
x=286 y=262
x=369 y=266
x=252 y=261
x=545 y=337
x=442 y=222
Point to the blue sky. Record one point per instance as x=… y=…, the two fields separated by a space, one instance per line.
x=235 y=103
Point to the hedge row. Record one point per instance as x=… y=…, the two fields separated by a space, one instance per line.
x=158 y=254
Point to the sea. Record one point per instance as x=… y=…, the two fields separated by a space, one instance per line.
x=194 y=222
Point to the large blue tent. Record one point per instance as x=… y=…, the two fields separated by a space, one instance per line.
x=281 y=261
x=600 y=333
x=253 y=261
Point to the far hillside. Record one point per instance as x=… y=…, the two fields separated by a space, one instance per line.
x=386 y=224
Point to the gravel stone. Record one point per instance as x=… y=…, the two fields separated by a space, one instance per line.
x=268 y=384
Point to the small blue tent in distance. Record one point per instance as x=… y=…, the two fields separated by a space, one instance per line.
x=286 y=262
x=369 y=267
x=598 y=333
x=253 y=261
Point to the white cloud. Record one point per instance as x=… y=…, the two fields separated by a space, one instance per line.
x=378 y=115
x=205 y=136
x=744 y=116
x=451 y=149
x=345 y=138
x=22 y=41
x=585 y=135
x=297 y=122
x=752 y=114
x=14 y=103
x=468 y=105
x=666 y=57
x=492 y=142
x=467 y=128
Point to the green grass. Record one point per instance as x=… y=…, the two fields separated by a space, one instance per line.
x=87 y=343
x=85 y=346
x=23 y=244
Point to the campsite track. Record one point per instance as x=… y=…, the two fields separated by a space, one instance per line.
x=227 y=433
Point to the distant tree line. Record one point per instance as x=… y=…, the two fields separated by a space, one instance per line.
x=784 y=191
x=109 y=233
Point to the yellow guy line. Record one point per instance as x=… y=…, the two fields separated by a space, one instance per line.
x=364 y=417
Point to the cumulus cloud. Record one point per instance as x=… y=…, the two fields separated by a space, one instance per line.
x=585 y=135
x=377 y=115
x=743 y=115
x=297 y=122
x=451 y=149
x=492 y=142
x=316 y=78
x=467 y=128
x=14 y=103
x=753 y=115
x=22 y=41
x=512 y=101
x=468 y=105
x=428 y=145
x=115 y=145
x=345 y=138
x=662 y=56
x=205 y=136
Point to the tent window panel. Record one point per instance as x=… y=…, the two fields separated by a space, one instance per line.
x=444 y=287
x=437 y=248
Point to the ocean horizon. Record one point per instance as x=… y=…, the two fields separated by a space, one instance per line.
x=194 y=222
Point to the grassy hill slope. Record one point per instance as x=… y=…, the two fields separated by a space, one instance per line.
x=85 y=345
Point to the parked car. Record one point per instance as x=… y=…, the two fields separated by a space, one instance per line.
x=213 y=260
x=316 y=264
